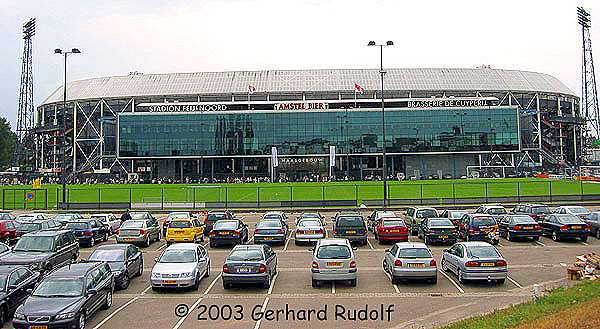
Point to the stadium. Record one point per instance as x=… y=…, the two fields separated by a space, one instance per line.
x=439 y=123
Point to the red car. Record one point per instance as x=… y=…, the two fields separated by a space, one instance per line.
x=391 y=229
x=8 y=231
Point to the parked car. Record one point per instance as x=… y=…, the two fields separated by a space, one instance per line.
x=278 y=215
x=565 y=226
x=373 y=219
x=593 y=221
x=495 y=210
x=64 y=218
x=414 y=216
x=212 y=217
x=181 y=265
x=36 y=225
x=15 y=284
x=173 y=215
x=5 y=215
x=185 y=230
x=514 y=227
x=141 y=215
x=479 y=227
x=535 y=211
x=453 y=215
x=433 y=230
x=333 y=260
x=125 y=262
x=88 y=231
x=250 y=264
x=351 y=226
x=410 y=260
x=270 y=231
x=311 y=215
x=44 y=251
x=109 y=220
x=139 y=231
x=8 y=230
x=229 y=231
x=475 y=260
x=390 y=229
x=32 y=216
x=67 y=298
x=4 y=249
x=578 y=211
x=309 y=230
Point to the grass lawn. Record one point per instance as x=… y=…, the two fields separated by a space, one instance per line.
x=16 y=196
x=561 y=308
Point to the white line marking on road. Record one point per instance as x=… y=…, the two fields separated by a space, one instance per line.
x=111 y=315
x=161 y=247
x=563 y=264
x=333 y=287
x=370 y=245
x=514 y=282
x=500 y=245
x=262 y=310
x=211 y=285
x=287 y=242
x=196 y=303
x=242 y=217
x=146 y=290
x=453 y=282
x=396 y=288
x=272 y=284
x=585 y=243
x=540 y=243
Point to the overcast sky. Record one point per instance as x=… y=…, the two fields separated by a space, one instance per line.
x=154 y=36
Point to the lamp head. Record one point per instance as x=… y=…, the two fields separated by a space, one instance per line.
x=371 y=43
x=389 y=43
x=77 y=51
x=58 y=51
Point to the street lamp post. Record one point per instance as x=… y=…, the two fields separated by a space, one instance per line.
x=382 y=73
x=64 y=125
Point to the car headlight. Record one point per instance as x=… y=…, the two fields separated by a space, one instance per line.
x=63 y=316
x=155 y=275
x=117 y=273
x=19 y=316
x=187 y=274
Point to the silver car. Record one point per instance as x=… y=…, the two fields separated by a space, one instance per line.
x=254 y=264
x=138 y=231
x=270 y=231
x=180 y=265
x=475 y=260
x=408 y=260
x=109 y=220
x=309 y=230
x=333 y=260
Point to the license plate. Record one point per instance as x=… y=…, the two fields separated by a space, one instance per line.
x=129 y=239
x=169 y=282
x=528 y=227
x=268 y=238
x=351 y=232
x=576 y=227
x=334 y=263
x=488 y=264
x=394 y=231
x=243 y=270
x=309 y=232
x=416 y=265
x=179 y=231
x=38 y=327
x=443 y=237
x=223 y=233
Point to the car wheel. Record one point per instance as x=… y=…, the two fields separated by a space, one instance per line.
x=108 y=300
x=433 y=280
x=105 y=238
x=201 y=237
x=81 y=322
x=583 y=238
x=140 y=270
x=315 y=283
x=197 y=282
x=6 y=240
x=92 y=242
x=267 y=283
x=2 y=316
x=147 y=242
x=125 y=284
x=508 y=236
x=555 y=236
x=500 y=281
x=352 y=282
x=461 y=277
x=207 y=273
x=536 y=238
x=444 y=266
x=212 y=244
x=426 y=240
x=226 y=285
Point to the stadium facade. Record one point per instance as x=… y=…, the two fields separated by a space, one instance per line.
x=439 y=122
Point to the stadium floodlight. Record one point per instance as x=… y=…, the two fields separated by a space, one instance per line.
x=64 y=126
x=382 y=72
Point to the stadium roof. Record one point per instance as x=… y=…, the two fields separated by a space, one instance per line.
x=322 y=80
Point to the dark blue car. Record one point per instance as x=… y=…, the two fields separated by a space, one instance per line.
x=88 y=231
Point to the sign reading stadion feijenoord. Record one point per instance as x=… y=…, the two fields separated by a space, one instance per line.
x=186 y=107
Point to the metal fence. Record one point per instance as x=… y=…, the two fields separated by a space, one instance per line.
x=309 y=195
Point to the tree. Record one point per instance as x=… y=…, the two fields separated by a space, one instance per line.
x=8 y=140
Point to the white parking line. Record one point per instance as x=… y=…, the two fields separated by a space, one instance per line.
x=453 y=282
x=500 y=245
x=196 y=303
x=211 y=285
x=585 y=243
x=370 y=245
x=333 y=287
x=161 y=247
x=287 y=242
x=540 y=243
x=272 y=284
x=262 y=310
x=111 y=315
x=514 y=282
x=396 y=288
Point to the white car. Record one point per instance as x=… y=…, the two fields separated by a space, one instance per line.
x=110 y=220
x=579 y=211
x=180 y=265
x=31 y=217
x=309 y=230
x=333 y=260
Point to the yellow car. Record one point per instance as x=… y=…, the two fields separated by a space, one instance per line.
x=185 y=230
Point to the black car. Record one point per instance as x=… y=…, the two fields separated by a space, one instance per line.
x=228 y=231
x=212 y=217
x=15 y=281
x=593 y=220
x=43 y=250
x=535 y=211
x=433 y=230
x=125 y=261
x=37 y=225
x=67 y=298
x=478 y=227
x=565 y=226
x=88 y=231
x=514 y=227
x=350 y=226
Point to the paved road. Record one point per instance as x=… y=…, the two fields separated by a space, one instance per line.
x=415 y=305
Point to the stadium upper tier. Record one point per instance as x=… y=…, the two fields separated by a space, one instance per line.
x=324 y=80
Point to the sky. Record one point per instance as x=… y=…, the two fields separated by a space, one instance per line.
x=153 y=36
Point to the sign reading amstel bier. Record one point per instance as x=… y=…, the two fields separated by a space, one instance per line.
x=301 y=106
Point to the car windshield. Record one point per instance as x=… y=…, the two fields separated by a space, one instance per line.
x=30 y=227
x=484 y=221
x=225 y=225
x=35 y=243
x=414 y=253
x=540 y=210
x=108 y=255
x=439 y=222
x=349 y=221
x=310 y=215
x=101 y=218
x=393 y=222
x=178 y=256
x=138 y=215
x=25 y=217
x=63 y=216
x=174 y=215
x=333 y=252
x=497 y=211
x=427 y=213
x=3 y=278
x=59 y=287
x=386 y=214
x=77 y=226
x=579 y=210
x=269 y=224
x=180 y=224
x=456 y=214
x=483 y=252
x=272 y=216
x=569 y=219
x=133 y=224
x=305 y=223
x=245 y=255
x=215 y=217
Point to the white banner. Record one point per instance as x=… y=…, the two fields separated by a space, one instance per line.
x=332 y=155
x=274 y=159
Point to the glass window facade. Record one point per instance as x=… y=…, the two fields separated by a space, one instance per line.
x=354 y=131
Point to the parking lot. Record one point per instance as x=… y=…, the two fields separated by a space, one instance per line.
x=414 y=305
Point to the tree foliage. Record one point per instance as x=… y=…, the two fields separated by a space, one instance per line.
x=8 y=141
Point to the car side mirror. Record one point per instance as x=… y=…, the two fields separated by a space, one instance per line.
x=92 y=292
x=311 y=249
x=29 y=291
x=445 y=250
x=387 y=250
x=156 y=259
x=354 y=248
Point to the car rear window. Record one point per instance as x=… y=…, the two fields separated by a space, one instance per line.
x=245 y=255
x=138 y=216
x=272 y=216
x=215 y=217
x=456 y=214
x=483 y=251
x=439 y=222
x=132 y=224
x=304 y=223
x=393 y=222
x=540 y=210
x=578 y=210
x=225 y=225
x=30 y=227
x=77 y=226
x=108 y=255
x=426 y=213
x=497 y=211
x=333 y=252
x=523 y=219
x=310 y=215
x=269 y=224
x=569 y=219
x=180 y=224
x=414 y=253
x=349 y=221
x=484 y=221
